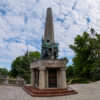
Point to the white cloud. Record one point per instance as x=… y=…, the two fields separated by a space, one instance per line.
x=22 y=24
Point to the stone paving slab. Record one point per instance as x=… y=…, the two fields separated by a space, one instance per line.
x=85 y=92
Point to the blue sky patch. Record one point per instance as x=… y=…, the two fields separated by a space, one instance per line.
x=3 y=12
x=88 y=20
x=74 y=5
x=61 y=20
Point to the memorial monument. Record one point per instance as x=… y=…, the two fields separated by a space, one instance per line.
x=48 y=74
x=49 y=71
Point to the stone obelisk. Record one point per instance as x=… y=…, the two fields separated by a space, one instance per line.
x=49 y=30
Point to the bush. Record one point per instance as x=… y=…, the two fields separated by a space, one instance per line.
x=79 y=80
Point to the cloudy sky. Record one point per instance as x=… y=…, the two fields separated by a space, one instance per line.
x=22 y=25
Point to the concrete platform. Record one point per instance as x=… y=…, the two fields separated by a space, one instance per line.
x=85 y=92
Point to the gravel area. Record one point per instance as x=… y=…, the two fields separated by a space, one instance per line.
x=85 y=92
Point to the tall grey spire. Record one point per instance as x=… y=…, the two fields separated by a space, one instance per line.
x=49 y=31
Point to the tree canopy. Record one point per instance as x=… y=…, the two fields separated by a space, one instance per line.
x=86 y=61
x=21 y=65
x=3 y=72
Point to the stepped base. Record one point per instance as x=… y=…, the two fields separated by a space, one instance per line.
x=48 y=92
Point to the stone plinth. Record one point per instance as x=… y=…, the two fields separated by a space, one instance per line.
x=49 y=92
x=55 y=63
x=52 y=74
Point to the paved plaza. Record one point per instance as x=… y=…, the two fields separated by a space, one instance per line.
x=86 y=92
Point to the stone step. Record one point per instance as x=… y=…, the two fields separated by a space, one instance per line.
x=49 y=92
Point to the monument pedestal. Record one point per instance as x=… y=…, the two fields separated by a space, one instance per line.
x=49 y=79
x=48 y=74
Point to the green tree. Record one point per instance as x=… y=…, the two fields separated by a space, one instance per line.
x=65 y=58
x=95 y=55
x=82 y=52
x=21 y=65
x=87 y=55
x=70 y=72
x=3 y=71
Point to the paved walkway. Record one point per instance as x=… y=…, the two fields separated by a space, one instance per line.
x=86 y=92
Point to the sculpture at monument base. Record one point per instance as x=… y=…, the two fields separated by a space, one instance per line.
x=48 y=75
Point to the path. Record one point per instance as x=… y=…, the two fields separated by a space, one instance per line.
x=86 y=92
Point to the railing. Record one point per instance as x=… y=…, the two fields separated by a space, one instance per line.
x=12 y=82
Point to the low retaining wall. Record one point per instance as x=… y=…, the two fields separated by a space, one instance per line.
x=12 y=82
